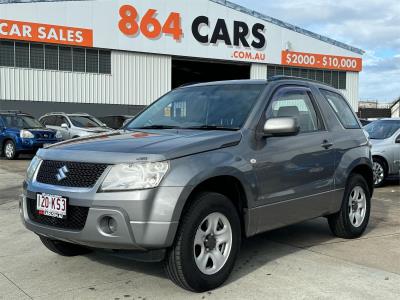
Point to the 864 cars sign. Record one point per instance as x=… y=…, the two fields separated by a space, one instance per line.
x=185 y=28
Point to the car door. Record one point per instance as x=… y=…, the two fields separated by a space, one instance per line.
x=294 y=173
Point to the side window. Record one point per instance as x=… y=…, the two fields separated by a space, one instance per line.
x=1 y=122
x=64 y=121
x=57 y=121
x=342 y=110
x=297 y=104
x=48 y=120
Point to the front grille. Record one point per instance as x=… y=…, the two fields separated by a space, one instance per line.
x=45 y=136
x=76 y=216
x=83 y=175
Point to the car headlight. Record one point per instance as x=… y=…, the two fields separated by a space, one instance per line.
x=32 y=168
x=58 y=135
x=26 y=134
x=135 y=176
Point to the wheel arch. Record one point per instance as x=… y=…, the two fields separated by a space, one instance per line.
x=384 y=159
x=365 y=170
x=228 y=185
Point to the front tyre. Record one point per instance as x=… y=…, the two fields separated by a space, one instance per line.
x=352 y=219
x=206 y=244
x=10 y=151
x=63 y=248
x=380 y=172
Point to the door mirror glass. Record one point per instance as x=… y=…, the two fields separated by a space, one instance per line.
x=64 y=125
x=281 y=126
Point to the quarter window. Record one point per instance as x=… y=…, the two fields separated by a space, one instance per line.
x=342 y=109
x=296 y=104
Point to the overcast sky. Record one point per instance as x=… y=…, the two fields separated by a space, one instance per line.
x=372 y=25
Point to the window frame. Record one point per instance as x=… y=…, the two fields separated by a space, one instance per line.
x=303 y=89
x=323 y=91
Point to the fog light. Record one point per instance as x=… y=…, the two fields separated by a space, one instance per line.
x=108 y=225
x=112 y=225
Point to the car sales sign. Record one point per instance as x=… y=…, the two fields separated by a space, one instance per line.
x=191 y=28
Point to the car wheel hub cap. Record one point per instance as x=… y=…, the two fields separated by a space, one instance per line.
x=357 y=206
x=378 y=173
x=212 y=243
x=9 y=150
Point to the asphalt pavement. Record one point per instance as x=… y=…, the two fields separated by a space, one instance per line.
x=303 y=261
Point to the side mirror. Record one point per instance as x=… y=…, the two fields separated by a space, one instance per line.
x=281 y=126
x=64 y=125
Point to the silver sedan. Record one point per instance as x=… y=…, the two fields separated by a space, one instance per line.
x=384 y=136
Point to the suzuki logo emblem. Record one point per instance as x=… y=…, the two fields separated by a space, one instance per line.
x=62 y=173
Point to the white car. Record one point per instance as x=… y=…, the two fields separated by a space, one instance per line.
x=74 y=125
x=384 y=135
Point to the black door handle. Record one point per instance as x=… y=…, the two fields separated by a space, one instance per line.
x=326 y=144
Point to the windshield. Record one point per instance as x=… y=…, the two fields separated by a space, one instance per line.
x=85 y=121
x=203 y=107
x=21 y=122
x=382 y=129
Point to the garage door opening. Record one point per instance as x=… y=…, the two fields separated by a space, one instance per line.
x=194 y=71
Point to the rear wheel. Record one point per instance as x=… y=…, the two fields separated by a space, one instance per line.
x=380 y=171
x=10 y=151
x=206 y=245
x=64 y=248
x=352 y=219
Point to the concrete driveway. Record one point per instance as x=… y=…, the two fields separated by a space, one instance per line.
x=303 y=261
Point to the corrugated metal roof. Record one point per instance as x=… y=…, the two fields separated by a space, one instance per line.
x=246 y=11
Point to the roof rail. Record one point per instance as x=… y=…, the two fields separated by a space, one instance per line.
x=286 y=77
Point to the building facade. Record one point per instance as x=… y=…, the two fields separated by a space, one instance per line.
x=111 y=56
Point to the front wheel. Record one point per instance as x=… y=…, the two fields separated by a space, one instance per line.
x=352 y=219
x=10 y=151
x=206 y=245
x=380 y=171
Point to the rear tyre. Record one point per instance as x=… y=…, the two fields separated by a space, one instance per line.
x=10 y=151
x=63 y=248
x=206 y=244
x=380 y=171
x=352 y=219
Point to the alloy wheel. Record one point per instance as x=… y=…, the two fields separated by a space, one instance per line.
x=212 y=243
x=357 y=206
x=379 y=173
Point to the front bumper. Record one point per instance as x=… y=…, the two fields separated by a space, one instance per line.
x=32 y=145
x=144 y=218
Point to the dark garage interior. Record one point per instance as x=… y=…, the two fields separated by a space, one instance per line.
x=194 y=71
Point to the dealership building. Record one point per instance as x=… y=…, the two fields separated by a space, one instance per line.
x=115 y=57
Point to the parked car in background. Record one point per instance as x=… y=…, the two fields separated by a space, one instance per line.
x=116 y=121
x=22 y=133
x=200 y=169
x=384 y=135
x=73 y=125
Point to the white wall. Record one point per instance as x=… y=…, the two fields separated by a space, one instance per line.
x=258 y=71
x=351 y=91
x=136 y=79
x=396 y=110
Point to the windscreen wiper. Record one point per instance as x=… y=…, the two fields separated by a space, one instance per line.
x=212 y=127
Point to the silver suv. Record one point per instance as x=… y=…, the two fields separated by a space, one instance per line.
x=203 y=167
x=384 y=135
x=73 y=125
